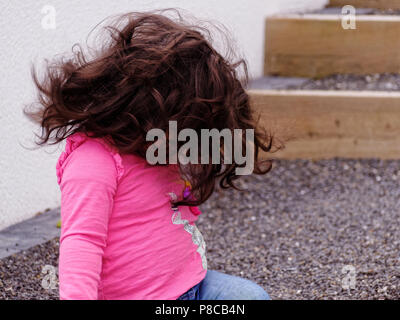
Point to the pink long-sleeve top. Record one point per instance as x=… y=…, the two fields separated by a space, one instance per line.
x=120 y=236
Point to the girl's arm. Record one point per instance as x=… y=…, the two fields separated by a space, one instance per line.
x=88 y=187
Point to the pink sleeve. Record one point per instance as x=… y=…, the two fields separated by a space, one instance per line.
x=88 y=185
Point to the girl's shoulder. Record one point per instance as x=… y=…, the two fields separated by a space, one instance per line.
x=89 y=149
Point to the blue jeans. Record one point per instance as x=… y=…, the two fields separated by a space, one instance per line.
x=221 y=286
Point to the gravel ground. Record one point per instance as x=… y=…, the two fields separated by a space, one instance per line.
x=392 y=12
x=292 y=231
x=359 y=11
x=21 y=274
x=375 y=82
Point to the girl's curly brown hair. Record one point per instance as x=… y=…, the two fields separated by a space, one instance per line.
x=151 y=70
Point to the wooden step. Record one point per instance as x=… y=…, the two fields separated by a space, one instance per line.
x=316 y=45
x=328 y=124
x=379 y=4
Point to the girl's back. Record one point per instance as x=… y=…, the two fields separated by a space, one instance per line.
x=118 y=207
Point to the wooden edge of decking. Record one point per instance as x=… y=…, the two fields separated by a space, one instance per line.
x=328 y=124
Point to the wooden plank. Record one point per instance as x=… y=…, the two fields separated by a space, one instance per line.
x=327 y=124
x=313 y=45
x=379 y=4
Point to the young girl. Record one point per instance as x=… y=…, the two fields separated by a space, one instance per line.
x=128 y=227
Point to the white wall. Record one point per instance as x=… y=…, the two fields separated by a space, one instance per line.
x=28 y=182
